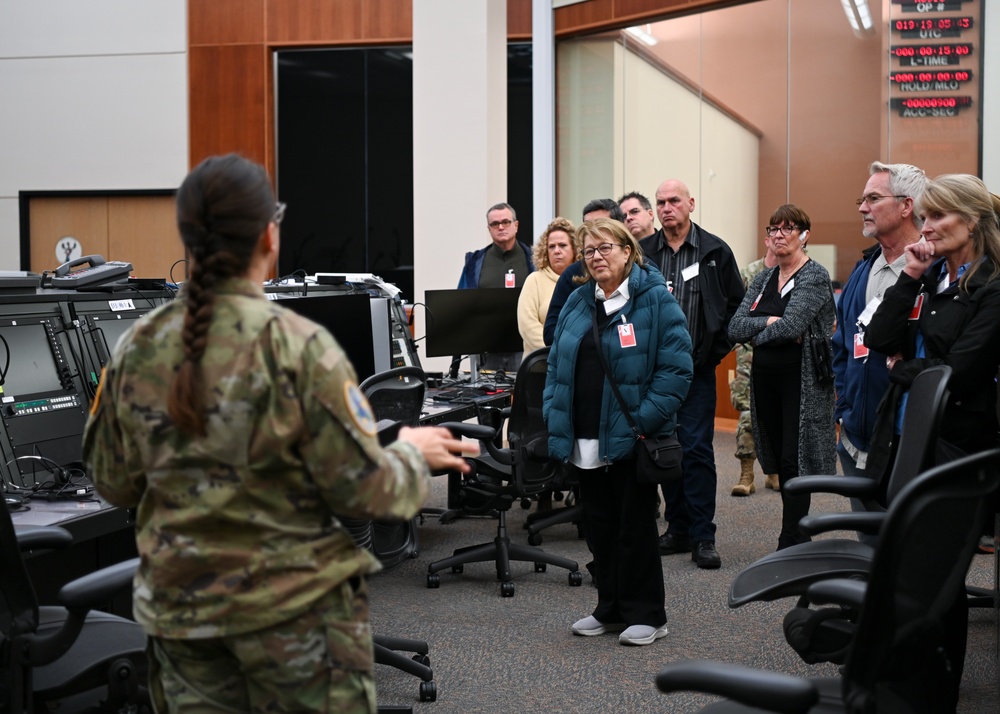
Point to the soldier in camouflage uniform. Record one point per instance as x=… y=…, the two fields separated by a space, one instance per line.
x=237 y=430
x=739 y=393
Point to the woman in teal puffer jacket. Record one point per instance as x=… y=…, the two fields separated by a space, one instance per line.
x=644 y=338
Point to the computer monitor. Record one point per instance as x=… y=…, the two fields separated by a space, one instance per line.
x=107 y=329
x=359 y=323
x=472 y=322
x=42 y=408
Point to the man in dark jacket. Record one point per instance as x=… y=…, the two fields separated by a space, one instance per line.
x=861 y=378
x=504 y=263
x=701 y=273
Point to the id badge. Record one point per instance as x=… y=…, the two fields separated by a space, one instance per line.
x=917 y=307
x=626 y=335
x=508 y=280
x=860 y=351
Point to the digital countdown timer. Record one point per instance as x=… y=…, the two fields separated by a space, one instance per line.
x=931 y=55
x=930 y=106
x=939 y=81
x=932 y=28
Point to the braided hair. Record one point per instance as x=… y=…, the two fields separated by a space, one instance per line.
x=223 y=207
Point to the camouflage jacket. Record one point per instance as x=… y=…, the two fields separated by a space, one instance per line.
x=740 y=386
x=236 y=530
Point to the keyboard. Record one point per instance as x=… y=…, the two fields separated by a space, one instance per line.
x=464 y=395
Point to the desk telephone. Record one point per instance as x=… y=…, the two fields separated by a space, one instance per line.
x=98 y=272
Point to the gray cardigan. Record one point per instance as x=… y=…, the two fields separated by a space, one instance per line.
x=810 y=305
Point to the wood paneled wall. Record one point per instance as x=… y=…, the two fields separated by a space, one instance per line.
x=231 y=46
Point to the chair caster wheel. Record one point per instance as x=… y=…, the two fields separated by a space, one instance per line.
x=422 y=659
x=507 y=589
x=540 y=567
x=428 y=692
x=433 y=580
x=575 y=578
x=525 y=503
x=458 y=569
x=535 y=539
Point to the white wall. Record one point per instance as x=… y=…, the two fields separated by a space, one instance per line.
x=459 y=138
x=94 y=96
x=626 y=126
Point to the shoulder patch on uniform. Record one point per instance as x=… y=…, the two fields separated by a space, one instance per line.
x=359 y=408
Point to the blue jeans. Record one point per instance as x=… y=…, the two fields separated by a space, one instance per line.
x=689 y=502
x=850 y=468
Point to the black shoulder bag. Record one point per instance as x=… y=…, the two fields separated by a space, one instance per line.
x=822 y=355
x=657 y=458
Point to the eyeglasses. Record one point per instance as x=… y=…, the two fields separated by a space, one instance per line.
x=872 y=198
x=785 y=230
x=505 y=223
x=279 y=213
x=604 y=249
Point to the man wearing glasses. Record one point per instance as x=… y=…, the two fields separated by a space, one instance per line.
x=701 y=273
x=638 y=214
x=505 y=262
x=888 y=217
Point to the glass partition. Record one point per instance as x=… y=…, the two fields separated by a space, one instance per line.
x=770 y=102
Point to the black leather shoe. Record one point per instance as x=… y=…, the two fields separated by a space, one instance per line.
x=671 y=544
x=705 y=555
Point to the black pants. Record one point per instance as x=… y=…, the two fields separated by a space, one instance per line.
x=777 y=390
x=621 y=528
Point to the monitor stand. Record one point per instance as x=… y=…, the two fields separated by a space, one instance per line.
x=474 y=370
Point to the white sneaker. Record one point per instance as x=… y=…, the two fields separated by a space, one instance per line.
x=590 y=626
x=642 y=634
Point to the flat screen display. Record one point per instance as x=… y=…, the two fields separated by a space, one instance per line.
x=349 y=320
x=108 y=330
x=468 y=322
x=33 y=367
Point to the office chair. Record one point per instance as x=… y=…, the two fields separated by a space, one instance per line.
x=504 y=475
x=69 y=656
x=538 y=521
x=790 y=571
x=909 y=648
x=396 y=397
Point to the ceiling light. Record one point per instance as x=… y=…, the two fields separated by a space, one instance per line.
x=860 y=17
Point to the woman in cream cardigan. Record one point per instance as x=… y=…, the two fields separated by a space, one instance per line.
x=553 y=253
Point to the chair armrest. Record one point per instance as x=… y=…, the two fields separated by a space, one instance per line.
x=479 y=432
x=867 y=522
x=98 y=587
x=856 y=486
x=770 y=691
x=846 y=592
x=43 y=537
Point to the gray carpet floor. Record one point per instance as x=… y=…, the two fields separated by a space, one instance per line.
x=493 y=654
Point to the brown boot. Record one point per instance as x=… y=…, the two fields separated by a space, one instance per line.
x=771 y=482
x=745 y=487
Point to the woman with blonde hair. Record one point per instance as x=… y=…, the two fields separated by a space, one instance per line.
x=553 y=253
x=945 y=309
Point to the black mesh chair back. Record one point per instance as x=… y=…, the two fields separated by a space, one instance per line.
x=922 y=416
x=527 y=434
x=396 y=395
x=909 y=647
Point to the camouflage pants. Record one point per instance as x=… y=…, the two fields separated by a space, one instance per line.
x=320 y=662
x=739 y=394
x=744 y=437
